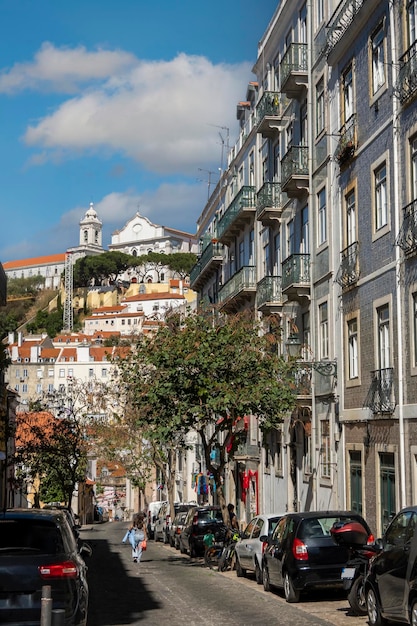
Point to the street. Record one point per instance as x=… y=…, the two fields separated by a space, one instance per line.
x=170 y=588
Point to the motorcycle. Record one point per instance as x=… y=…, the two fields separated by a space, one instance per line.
x=359 y=542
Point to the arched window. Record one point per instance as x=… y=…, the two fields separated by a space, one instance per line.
x=85 y=236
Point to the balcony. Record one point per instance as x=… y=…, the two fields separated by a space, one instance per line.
x=270 y=201
x=209 y=261
x=346 y=147
x=294 y=171
x=240 y=288
x=293 y=70
x=380 y=398
x=239 y=213
x=407 y=237
x=269 y=294
x=3 y=286
x=296 y=277
x=341 y=30
x=348 y=273
x=407 y=76
x=270 y=112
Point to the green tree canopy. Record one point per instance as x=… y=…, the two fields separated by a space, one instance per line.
x=204 y=373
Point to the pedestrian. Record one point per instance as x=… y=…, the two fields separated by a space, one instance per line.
x=232 y=516
x=136 y=534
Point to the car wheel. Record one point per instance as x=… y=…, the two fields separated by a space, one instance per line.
x=374 y=611
x=258 y=573
x=356 y=597
x=240 y=572
x=413 y=614
x=291 y=594
x=265 y=578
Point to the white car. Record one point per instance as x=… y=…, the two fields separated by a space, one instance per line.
x=249 y=549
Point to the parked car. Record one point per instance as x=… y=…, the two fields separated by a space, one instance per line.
x=73 y=519
x=301 y=553
x=200 y=520
x=152 y=514
x=163 y=520
x=38 y=549
x=249 y=550
x=176 y=529
x=391 y=584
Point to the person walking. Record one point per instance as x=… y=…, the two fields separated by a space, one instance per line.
x=136 y=534
x=232 y=517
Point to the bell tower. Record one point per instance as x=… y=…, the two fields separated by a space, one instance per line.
x=91 y=229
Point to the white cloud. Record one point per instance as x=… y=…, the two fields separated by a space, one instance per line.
x=158 y=113
x=63 y=69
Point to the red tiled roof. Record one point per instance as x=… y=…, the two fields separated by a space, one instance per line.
x=165 y=295
x=36 y=261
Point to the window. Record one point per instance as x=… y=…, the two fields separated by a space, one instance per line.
x=322 y=218
x=380 y=187
x=350 y=218
x=303 y=24
x=50 y=388
x=308 y=465
x=355 y=458
x=319 y=12
x=305 y=233
x=387 y=481
x=241 y=254
x=325 y=448
x=413 y=147
x=320 y=107
x=91 y=372
x=347 y=88
x=16 y=387
x=70 y=372
x=252 y=247
x=17 y=373
x=50 y=372
x=415 y=329
x=86 y=236
x=378 y=66
x=290 y=237
x=62 y=373
x=25 y=373
x=324 y=330
x=384 y=350
x=38 y=389
x=104 y=372
x=352 y=327
x=24 y=388
x=303 y=124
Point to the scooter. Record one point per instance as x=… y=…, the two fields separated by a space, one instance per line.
x=355 y=537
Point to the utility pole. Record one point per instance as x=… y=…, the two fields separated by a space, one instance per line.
x=68 y=320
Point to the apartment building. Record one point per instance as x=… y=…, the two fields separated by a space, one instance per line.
x=314 y=221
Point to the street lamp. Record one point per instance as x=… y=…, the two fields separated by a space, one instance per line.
x=325 y=367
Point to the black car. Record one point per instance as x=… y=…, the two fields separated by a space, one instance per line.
x=200 y=520
x=176 y=529
x=391 y=584
x=38 y=549
x=163 y=521
x=301 y=553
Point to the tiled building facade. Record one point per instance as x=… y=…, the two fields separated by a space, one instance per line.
x=314 y=221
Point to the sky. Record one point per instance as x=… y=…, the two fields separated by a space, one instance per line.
x=128 y=104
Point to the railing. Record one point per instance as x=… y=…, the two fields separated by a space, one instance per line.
x=269 y=290
x=270 y=196
x=407 y=237
x=341 y=21
x=407 y=76
x=348 y=272
x=302 y=380
x=380 y=396
x=294 y=163
x=294 y=60
x=271 y=104
x=242 y=280
x=296 y=270
x=211 y=251
x=347 y=142
x=245 y=198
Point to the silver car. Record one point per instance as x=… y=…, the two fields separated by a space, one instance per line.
x=249 y=549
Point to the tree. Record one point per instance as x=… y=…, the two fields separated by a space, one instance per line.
x=181 y=263
x=53 y=439
x=204 y=373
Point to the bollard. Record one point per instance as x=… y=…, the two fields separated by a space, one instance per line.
x=58 y=617
x=46 y=606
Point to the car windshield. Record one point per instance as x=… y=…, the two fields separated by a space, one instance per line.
x=319 y=526
x=30 y=535
x=210 y=514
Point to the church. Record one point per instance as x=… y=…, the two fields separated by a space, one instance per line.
x=137 y=237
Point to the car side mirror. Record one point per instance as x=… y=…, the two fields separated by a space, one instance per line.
x=263 y=538
x=86 y=550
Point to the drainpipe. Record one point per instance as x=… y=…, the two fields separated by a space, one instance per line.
x=398 y=291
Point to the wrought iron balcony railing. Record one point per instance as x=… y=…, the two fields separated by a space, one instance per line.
x=341 y=22
x=269 y=291
x=407 y=76
x=243 y=280
x=347 y=142
x=380 y=398
x=294 y=60
x=296 y=270
x=294 y=163
x=210 y=252
x=407 y=237
x=270 y=196
x=244 y=199
x=348 y=272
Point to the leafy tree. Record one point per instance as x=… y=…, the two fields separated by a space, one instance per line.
x=181 y=263
x=25 y=286
x=203 y=373
x=95 y=269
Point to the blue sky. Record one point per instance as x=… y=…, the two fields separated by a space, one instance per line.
x=118 y=102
